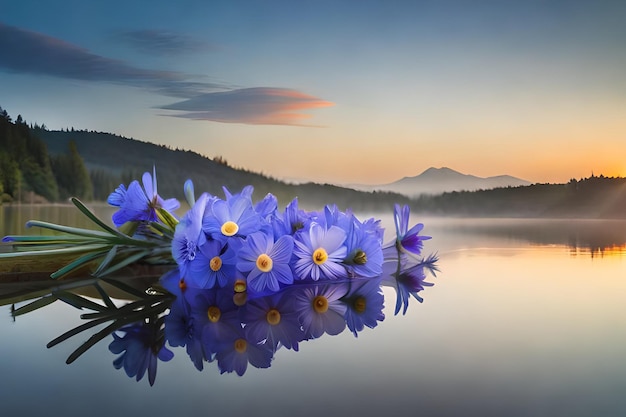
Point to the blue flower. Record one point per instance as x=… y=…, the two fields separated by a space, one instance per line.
x=266 y=261
x=267 y=208
x=188 y=236
x=319 y=253
x=273 y=319
x=217 y=315
x=236 y=352
x=231 y=218
x=139 y=204
x=407 y=240
x=364 y=304
x=214 y=265
x=140 y=348
x=365 y=254
x=292 y=220
x=320 y=308
x=408 y=281
x=181 y=329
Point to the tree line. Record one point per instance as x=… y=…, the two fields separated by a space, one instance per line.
x=27 y=170
x=592 y=197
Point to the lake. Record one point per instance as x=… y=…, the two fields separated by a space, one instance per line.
x=526 y=318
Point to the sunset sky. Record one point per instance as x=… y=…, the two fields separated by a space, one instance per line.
x=333 y=91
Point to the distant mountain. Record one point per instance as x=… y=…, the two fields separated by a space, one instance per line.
x=440 y=180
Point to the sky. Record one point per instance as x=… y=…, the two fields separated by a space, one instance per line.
x=344 y=92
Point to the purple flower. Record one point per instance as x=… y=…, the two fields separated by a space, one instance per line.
x=140 y=348
x=139 y=204
x=364 y=304
x=217 y=315
x=292 y=220
x=236 y=352
x=365 y=255
x=188 y=236
x=231 y=218
x=273 y=319
x=320 y=308
x=214 y=265
x=408 y=281
x=319 y=253
x=407 y=240
x=266 y=261
x=182 y=330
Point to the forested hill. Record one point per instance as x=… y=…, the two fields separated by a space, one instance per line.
x=39 y=165
x=593 y=197
x=112 y=159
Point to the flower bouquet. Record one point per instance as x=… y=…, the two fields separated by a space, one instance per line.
x=245 y=279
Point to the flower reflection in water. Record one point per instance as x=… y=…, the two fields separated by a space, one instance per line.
x=237 y=326
x=140 y=347
x=223 y=326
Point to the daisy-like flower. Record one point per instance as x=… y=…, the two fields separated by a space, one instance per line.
x=234 y=217
x=237 y=351
x=217 y=315
x=273 y=319
x=188 y=236
x=407 y=240
x=320 y=308
x=214 y=265
x=266 y=261
x=319 y=253
x=364 y=304
x=139 y=204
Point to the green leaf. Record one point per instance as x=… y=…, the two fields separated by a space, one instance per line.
x=70 y=230
x=106 y=261
x=59 y=251
x=77 y=263
x=125 y=287
x=37 y=304
x=78 y=301
x=131 y=259
x=95 y=218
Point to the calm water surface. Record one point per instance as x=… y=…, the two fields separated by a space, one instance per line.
x=526 y=318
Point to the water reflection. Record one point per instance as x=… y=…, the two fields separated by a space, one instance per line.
x=590 y=237
x=228 y=328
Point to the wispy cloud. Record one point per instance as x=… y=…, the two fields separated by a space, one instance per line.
x=260 y=105
x=34 y=53
x=161 y=42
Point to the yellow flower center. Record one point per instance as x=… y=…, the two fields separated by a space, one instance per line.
x=320 y=256
x=182 y=285
x=241 y=345
x=320 y=304
x=273 y=317
x=240 y=285
x=264 y=263
x=214 y=314
x=230 y=228
x=359 y=305
x=215 y=264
